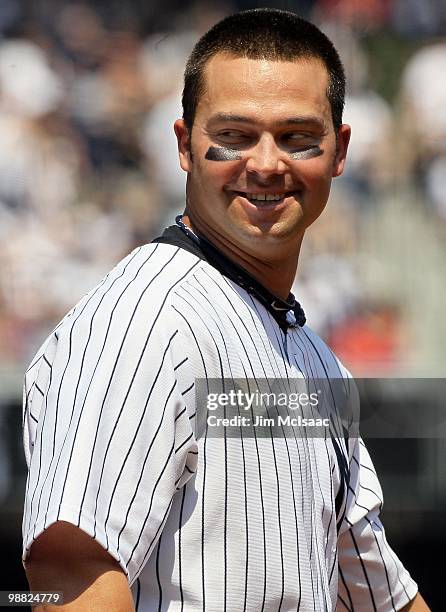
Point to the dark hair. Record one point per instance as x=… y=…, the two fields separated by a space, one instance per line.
x=264 y=33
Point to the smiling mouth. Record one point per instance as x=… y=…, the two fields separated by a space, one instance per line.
x=265 y=199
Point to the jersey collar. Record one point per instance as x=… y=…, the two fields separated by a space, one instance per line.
x=287 y=313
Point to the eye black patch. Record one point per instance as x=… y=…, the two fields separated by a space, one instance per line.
x=222 y=154
x=307 y=153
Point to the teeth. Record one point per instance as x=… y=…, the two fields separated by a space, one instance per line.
x=265 y=196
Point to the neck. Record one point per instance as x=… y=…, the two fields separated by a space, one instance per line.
x=277 y=274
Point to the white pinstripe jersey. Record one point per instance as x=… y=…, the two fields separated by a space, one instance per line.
x=198 y=523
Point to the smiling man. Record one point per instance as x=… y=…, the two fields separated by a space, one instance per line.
x=133 y=503
x=263 y=150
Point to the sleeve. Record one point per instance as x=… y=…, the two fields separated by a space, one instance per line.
x=371 y=577
x=113 y=441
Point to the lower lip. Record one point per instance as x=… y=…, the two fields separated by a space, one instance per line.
x=267 y=205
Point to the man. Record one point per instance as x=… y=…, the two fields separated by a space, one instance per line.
x=126 y=487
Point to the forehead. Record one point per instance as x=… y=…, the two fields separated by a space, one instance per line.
x=264 y=88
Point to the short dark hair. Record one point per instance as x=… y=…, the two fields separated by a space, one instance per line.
x=264 y=33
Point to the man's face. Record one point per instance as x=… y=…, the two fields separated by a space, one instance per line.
x=262 y=152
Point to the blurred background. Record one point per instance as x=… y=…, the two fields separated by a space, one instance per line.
x=88 y=171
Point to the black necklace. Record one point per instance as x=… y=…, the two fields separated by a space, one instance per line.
x=289 y=312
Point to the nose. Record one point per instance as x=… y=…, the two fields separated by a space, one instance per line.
x=266 y=158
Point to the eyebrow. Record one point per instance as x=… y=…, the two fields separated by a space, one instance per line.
x=299 y=120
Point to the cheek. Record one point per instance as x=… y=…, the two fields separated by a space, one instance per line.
x=215 y=175
x=316 y=173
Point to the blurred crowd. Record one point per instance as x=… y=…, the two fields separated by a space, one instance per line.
x=88 y=165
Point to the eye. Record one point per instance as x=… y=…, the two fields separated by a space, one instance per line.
x=230 y=133
x=298 y=140
x=233 y=137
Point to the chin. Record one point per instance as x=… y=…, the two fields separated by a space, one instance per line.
x=269 y=234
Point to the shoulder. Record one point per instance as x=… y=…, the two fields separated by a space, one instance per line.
x=124 y=329
x=149 y=267
x=138 y=289
x=131 y=304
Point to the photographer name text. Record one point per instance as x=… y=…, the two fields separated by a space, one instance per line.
x=261 y=421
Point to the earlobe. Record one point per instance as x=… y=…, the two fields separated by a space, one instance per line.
x=183 y=140
x=342 y=141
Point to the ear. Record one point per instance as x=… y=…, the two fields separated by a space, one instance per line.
x=343 y=138
x=183 y=139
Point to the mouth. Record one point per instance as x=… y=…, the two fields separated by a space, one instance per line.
x=266 y=200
